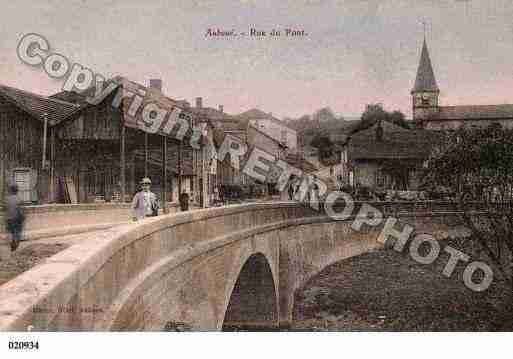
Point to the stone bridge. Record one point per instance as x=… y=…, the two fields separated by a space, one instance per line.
x=199 y=270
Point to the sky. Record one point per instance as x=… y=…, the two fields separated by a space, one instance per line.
x=355 y=52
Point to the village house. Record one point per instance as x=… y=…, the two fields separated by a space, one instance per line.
x=273 y=127
x=331 y=174
x=385 y=156
x=230 y=171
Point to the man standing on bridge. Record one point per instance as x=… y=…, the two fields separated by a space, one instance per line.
x=145 y=202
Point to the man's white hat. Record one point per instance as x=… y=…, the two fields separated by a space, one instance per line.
x=146 y=180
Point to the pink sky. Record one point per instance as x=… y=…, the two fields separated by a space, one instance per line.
x=357 y=51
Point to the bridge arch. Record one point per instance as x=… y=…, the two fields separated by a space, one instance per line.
x=253 y=302
x=182 y=270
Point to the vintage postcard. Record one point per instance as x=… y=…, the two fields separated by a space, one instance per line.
x=255 y=166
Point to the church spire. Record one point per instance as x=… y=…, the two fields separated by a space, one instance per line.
x=425 y=80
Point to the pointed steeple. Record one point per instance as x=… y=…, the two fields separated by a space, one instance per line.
x=425 y=80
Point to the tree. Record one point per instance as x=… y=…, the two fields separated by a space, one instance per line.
x=477 y=164
x=398 y=118
x=375 y=112
x=321 y=122
x=323 y=144
x=324 y=114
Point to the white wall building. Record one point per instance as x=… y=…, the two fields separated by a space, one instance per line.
x=277 y=130
x=272 y=127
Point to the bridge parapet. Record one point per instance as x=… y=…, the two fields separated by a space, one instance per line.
x=181 y=267
x=76 y=288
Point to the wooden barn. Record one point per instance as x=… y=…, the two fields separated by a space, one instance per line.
x=28 y=142
x=90 y=155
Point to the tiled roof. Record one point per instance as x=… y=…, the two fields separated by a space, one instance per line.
x=396 y=143
x=39 y=106
x=425 y=80
x=473 y=112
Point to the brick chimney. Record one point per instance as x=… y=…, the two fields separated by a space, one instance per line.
x=156 y=84
x=199 y=102
x=221 y=108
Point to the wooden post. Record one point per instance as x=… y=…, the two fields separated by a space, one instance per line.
x=133 y=180
x=45 y=135
x=123 y=163
x=52 y=165
x=164 y=174
x=146 y=154
x=179 y=169
x=204 y=177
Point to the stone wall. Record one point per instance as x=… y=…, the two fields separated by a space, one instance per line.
x=62 y=215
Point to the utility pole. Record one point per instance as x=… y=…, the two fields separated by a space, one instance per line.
x=52 y=164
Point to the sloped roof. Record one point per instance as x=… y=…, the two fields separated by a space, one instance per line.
x=232 y=125
x=261 y=133
x=299 y=162
x=38 y=106
x=425 y=80
x=78 y=98
x=220 y=134
x=397 y=143
x=473 y=112
x=338 y=138
x=255 y=114
x=211 y=113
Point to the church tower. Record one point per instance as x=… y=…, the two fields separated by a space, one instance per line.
x=425 y=92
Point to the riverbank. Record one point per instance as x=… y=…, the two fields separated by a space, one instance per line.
x=387 y=291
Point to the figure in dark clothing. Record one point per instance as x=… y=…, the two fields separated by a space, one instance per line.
x=15 y=217
x=293 y=186
x=291 y=191
x=221 y=193
x=184 y=201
